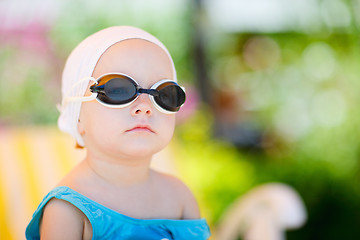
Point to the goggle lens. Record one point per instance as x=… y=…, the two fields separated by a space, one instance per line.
x=119 y=91
x=170 y=97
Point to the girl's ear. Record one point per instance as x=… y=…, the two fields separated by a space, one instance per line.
x=80 y=128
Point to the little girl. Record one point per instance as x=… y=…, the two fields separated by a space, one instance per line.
x=119 y=94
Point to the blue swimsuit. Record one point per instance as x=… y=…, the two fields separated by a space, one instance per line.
x=109 y=224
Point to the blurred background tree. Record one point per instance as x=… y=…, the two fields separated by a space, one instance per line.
x=272 y=88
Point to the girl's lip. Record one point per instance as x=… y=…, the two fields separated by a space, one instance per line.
x=141 y=128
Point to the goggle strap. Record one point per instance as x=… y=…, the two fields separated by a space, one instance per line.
x=81 y=99
x=66 y=100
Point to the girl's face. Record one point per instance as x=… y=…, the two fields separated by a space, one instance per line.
x=138 y=130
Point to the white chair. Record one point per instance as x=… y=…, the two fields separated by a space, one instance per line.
x=264 y=213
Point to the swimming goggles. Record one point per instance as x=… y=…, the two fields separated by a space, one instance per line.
x=118 y=90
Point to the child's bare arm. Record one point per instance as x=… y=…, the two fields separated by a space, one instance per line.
x=62 y=220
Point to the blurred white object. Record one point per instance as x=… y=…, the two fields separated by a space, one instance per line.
x=264 y=213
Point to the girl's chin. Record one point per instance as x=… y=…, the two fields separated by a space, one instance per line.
x=143 y=148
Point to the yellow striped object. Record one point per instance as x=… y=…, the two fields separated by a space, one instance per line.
x=32 y=161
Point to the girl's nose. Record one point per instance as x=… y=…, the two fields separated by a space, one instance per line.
x=142 y=105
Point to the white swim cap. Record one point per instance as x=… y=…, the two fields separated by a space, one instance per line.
x=81 y=63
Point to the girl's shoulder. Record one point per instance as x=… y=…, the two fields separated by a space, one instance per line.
x=177 y=190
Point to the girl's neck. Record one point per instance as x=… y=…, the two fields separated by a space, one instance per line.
x=119 y=172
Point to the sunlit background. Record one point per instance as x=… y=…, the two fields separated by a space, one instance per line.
x=273 y=96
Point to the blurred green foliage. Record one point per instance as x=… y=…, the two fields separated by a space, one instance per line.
x=26 y=96
x=302 y=93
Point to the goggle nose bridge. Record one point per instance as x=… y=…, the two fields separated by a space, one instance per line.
x=152 y=92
